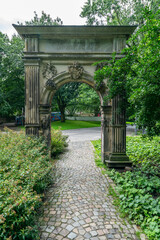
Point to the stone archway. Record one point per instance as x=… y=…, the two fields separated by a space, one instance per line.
x=55 y=55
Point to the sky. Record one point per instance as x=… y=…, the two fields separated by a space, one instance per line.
x=12 y=11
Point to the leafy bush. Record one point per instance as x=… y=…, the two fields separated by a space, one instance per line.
x=139 y=190
x=24 y=174
x=58 y=142
x=145 y=153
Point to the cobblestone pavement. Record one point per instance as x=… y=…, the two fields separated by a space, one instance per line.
x=77 y=205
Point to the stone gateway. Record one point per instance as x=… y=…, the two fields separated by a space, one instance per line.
x=55 y=55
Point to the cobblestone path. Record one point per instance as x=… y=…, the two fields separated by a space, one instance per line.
x=78 y=205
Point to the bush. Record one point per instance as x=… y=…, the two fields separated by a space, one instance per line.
x=24 y=174
x=145 y=154
x=58 y=142
x=139 y=190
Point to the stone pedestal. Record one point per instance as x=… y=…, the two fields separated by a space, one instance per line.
x=117 y=156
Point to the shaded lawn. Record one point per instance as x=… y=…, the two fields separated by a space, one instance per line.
x=74 y=124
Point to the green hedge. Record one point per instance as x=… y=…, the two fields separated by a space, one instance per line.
x=139 y=190
x=24 y=174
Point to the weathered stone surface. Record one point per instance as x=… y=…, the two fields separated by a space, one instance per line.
x=50 y=54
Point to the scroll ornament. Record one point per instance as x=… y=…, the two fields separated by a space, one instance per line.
x=75 y=71
x=49 y=72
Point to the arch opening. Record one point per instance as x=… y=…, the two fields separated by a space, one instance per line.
x=76 y=98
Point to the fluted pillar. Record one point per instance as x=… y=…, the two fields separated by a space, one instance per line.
x=118 y=157
x=32 y=121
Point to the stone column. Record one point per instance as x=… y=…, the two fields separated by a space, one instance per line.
x=106 y=133
x=32 y=97
x=118 y=157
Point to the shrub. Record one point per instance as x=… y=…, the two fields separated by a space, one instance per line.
x=24 y=174
x=145 y=154
x=58 y=142
x=139 y=190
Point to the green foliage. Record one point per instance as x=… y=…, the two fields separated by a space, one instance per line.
x=45 y=19
x=12 y=68
x=64 y=97
x=11 y=75
x=87 y=100
x=116 y=12
x=73 y=97
x=136 y=76
x=97 y=153
x=24 y=174
x=58 y=142
x=136 y=200
x=145 y=153
x=139 y=190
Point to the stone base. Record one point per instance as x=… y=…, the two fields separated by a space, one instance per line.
x=118 y=161
x=32 y=130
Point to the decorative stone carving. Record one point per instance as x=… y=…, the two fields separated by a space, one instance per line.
x=50 y=84
x=49 y=72
x=75 y=71
x=45 y=122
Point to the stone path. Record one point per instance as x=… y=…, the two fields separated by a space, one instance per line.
x=78 y=206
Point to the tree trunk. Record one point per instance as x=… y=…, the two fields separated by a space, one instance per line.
x=63 y=119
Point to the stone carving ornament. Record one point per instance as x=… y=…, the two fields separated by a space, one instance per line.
x=49 y=72
x=50 y=84
x=45 y=122
x=75 y=71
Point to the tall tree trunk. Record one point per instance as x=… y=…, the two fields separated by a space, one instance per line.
x=63 y=119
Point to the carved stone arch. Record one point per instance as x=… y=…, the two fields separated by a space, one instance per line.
x=55 y=55
x=62 y=78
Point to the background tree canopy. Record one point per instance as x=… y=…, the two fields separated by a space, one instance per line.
x=45 y=19
x=64 y=96
x=76 y=97
x=11 y=75
x=12 y=68
x=116 y=12
x=138 y=74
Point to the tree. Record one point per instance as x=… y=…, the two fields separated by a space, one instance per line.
x=116 y=12
x=12 y=68
x=11 y=76
x=45 y=19
x=65 y=95
x=88 y=100
x=138 y=73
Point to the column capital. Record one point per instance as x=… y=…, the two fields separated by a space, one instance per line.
x=32 y=62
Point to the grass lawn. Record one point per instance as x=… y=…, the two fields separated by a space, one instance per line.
x=72 y=124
